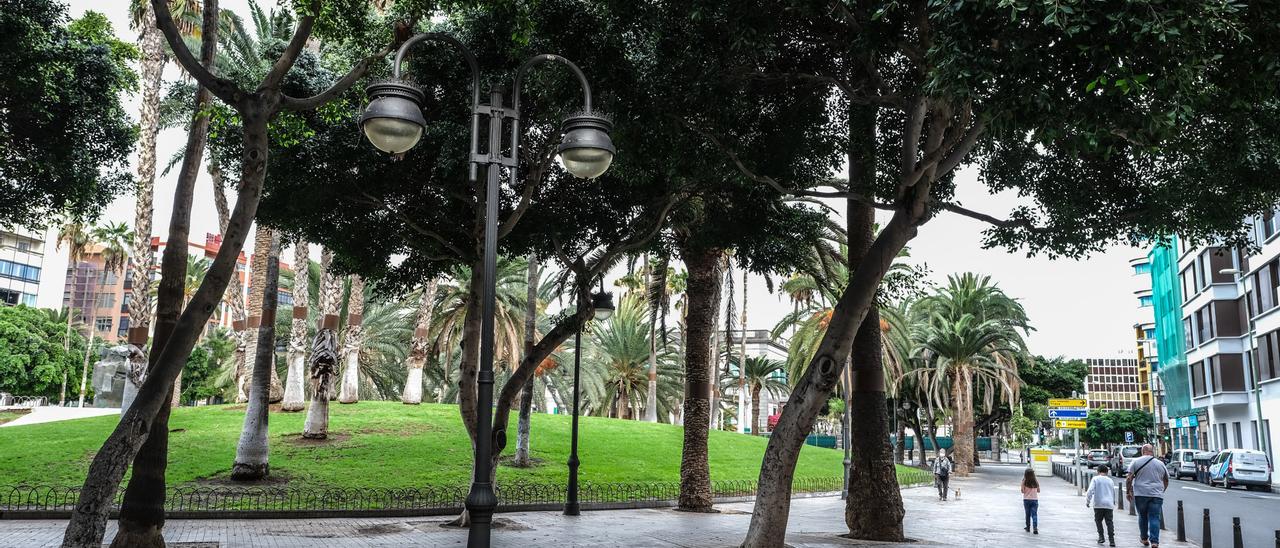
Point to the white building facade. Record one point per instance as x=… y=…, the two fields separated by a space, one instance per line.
x=1231 y=319
x=21 y=266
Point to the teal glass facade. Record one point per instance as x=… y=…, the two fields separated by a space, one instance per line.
x=1167 y=300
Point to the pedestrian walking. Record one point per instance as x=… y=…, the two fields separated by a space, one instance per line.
x=1102 y=497
x=1031 y=501
x=1148 y=480
x=942 y=473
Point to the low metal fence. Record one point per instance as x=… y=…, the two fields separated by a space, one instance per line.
x=37 y=501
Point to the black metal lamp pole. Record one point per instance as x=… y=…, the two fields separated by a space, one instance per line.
x=602 y=304
x=393 y=122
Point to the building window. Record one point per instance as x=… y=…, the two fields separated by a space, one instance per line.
x=1142 y=268
x=1239 y=438
x=1188 y=334
x=9 y=297
x=28 y=299
x=102 y=325
x=1144 y=301
x=24 y=246
x=104 y=300
x=26 y=273
x=1149 y=334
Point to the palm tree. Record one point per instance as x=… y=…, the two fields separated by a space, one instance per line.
x=77 y=239
x=251 y=460
x=297 y=357
x=187 y=15
x=532 y=308
x=351 y=341
x=324 y=352
x=454 y=298
x=114 y=241
x=763 y=375
x=620 y=359
x=420 y=346
x=969 y=336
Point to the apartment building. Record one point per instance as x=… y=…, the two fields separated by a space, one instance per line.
x=1182 y=420
x=1112 y=384
x=1232 y=337
x=21 y=266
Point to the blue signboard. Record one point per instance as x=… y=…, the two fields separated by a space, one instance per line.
x=1068 y=414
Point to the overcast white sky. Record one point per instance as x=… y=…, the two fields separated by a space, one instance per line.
x=1079 y=308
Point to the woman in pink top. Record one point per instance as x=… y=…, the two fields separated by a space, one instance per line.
x=1031 y=501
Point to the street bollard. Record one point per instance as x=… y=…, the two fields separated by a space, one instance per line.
x=1278 y=538
x=1206 y=540
x=1237 y=539
x=1162 y=528
x=1120 y=500
x=1132 y=505
x=1182 y=526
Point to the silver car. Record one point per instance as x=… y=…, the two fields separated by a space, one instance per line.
x=1096 y=457
x=1182 y=464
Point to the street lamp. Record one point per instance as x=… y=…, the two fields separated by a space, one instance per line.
x=1248 y=356
x=393 y=123
x=602 y=305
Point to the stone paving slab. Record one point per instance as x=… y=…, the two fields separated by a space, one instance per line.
x=988 y=512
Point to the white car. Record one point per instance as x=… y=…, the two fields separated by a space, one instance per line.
x=1182 y=464
x=1232 y=467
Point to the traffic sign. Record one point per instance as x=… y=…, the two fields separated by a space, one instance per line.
x=1128 y=437
x=1067 y=402
x=1069 y=424
x=1078 y=414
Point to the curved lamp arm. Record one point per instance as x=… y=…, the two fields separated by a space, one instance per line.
x=538 y=60
x=466 y=53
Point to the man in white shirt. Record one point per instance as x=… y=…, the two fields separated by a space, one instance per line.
x=1148 y=479
x=1101 y=496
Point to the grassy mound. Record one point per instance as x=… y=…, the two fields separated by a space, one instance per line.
x=388 y=444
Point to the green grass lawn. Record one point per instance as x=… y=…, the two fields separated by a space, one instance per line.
x=388 y=444
x=7 y=415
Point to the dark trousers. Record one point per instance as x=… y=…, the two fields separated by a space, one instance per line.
x=1032 y=510
x=1149 y=511
x=941 y=482
x=1104 y=514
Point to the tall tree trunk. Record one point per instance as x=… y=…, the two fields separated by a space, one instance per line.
x=88 y=349
x=257 y=288
x=755 y=415
x=324 y=351
x=420 y=347
x=142 y=509
x=140 y=260
x=352 y=342
x=651 y=397
x=703 y=294
x=526 y=395
x=900 y=441
x=744 y=404
x=252 y=462
x=962 y=431
x=297 y=356
x=873 y=509
x=234 y=295
x=713 y=372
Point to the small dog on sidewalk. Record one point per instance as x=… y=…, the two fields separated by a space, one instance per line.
x=957 y=494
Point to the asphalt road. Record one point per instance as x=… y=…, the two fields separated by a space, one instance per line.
x=1259 y=513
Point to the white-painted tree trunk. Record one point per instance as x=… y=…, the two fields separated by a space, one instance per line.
x=354 y=339
x=297 y=357
x=412 y=393
x=419 y=347
x=350 y=392
x=324 y=353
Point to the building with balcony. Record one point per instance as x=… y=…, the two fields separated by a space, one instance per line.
x=1231 y=325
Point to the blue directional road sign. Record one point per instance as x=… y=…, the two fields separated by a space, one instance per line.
x=1069 y=414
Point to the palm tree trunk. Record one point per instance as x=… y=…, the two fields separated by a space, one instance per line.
x=962 y=431
x=744 y=404
x=352 y=342
x=262 y=239
x=900 y=442
x=297 y=356
x=140 y=260
x=324 y=352
x=84 y=373
x=651 y=397
x=755 y=416
x=420 y=347
x=251 y=461
x=66 y=350
x=526 y=395
x=703 y=296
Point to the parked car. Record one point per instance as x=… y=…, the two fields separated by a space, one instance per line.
x=1182 y=464
x=1121 y=456
x=1096 y=457
x=1233 y=467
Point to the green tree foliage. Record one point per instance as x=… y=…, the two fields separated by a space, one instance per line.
x=32 y=359
x=1044 y=378
x=64 y=136
x=1105 y=427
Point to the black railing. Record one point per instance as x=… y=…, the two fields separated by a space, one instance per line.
x=38 y=501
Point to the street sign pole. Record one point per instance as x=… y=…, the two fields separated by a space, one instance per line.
x=1080 y=483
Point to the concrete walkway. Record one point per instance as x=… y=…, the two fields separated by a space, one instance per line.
x=988 y=512
x=55 y=413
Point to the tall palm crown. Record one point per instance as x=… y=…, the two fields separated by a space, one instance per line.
x=453 y=297
x=619 y=362
x=115 y=239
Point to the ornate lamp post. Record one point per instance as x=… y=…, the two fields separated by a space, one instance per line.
x=602 y=303
x=393 y=122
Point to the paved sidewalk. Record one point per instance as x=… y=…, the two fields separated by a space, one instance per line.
x=988 y=512
x=54 y=413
